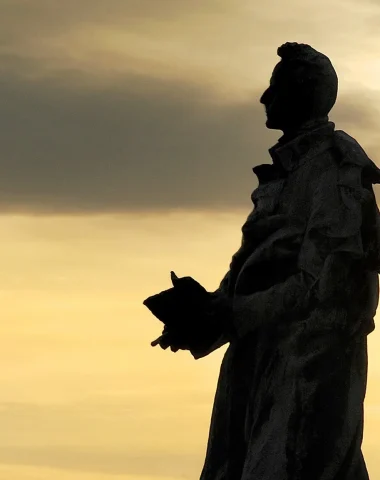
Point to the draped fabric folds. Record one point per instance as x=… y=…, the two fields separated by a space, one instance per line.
x=300 y=294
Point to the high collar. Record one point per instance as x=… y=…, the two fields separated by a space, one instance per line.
x=287 y=156
x=305 y=127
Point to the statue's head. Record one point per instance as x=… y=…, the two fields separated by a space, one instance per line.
x=303 y=87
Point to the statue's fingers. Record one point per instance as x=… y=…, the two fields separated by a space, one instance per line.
x=159 y=340
x=174 y=344
x=165 y=341
x=180 y=344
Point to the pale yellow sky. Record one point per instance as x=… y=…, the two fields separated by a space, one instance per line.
x=129 y=131
x=83 y=394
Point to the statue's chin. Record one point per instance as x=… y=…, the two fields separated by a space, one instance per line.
x=272 y=125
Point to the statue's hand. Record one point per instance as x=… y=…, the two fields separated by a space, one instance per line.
x=171 y=340
x=193 y=317
x=201 y=334
x=181 y=303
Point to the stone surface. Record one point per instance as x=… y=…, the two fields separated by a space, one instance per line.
x=300 y=296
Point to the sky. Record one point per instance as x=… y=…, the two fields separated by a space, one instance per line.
x=129 y=129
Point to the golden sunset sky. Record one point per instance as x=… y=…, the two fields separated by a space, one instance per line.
x=128 y=132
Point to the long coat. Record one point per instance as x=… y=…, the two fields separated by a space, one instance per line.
x=304 y=291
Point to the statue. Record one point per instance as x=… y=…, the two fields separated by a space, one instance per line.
x=299 y=298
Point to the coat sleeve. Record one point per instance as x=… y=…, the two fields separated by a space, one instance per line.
x=220 y=297
x=221 y=302
x=330 y=261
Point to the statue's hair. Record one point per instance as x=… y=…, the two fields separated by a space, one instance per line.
x=313 y=73
x=299 y=52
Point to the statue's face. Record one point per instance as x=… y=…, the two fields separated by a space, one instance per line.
x=280 y=100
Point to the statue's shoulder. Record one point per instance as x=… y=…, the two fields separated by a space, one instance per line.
x=351 y=155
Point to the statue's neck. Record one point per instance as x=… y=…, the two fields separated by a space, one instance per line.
x=291 y=133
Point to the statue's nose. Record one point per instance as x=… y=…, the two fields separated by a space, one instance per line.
x=265 y=97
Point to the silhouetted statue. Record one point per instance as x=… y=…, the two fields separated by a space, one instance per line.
x=298 y=301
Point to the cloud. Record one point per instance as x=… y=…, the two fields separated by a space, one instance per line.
x=145 y=145
x=223 y=41
x=138 y=105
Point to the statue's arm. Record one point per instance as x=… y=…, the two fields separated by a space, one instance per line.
x=330 y=262
x=219 y=308
x=244 y=313
x=218 y=298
